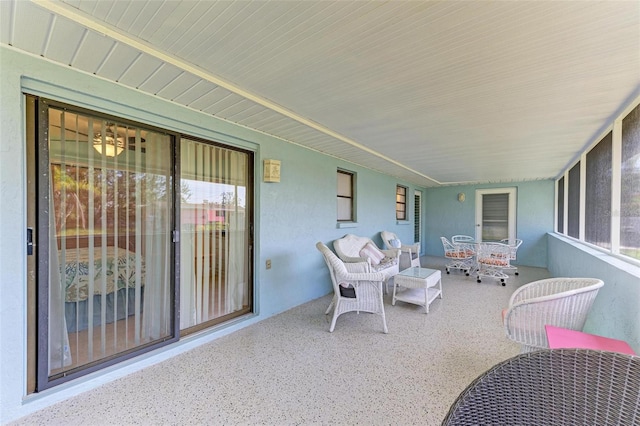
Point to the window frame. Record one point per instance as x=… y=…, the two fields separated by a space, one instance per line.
x=616 y=131
x=401 y=200
x=351 y=196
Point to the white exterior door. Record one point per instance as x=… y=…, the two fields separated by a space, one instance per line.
x=495 y=214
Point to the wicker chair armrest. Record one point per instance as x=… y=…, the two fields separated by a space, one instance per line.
x=413 y=248
x=355 y=278
x=358 y=267
x=392 y=253
x=349 y=259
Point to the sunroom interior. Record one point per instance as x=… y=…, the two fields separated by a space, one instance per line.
x=139 y=141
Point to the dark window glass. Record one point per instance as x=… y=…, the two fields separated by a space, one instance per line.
x=401 y=203
x=561 y=205
x=630 y=185
x=574 y=202
x=345 y=196
x=598 y=194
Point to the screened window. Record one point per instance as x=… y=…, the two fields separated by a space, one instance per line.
x=630 y=185
x=598 y=194
x=574 y=202
x=345 y=196
x=401 y=202
x=560 y=212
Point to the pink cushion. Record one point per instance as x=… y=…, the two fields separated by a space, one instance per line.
x=372 y=252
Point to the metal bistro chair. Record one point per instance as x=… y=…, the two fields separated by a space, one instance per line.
x=513 y=246
x=460 y=255
x=491 y=260
x=553 y=387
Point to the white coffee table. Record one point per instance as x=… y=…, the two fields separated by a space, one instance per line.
x=419 y=286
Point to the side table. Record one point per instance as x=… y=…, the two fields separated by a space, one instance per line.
x=419 y=286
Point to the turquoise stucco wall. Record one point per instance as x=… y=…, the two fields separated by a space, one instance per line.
x=291 y=216
x=445 y=216
x=616 y=310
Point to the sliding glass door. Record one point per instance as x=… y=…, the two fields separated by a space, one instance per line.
x=130 y=227
x=215 y=217
x=103 y=229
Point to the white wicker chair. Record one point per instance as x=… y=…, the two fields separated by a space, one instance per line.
x=562 y=302
x=491 y=261
x=367 y=287
x=462 y=239
x=553 y=387
x=513 y=246
x=460 y=256
x=348 y=249
x=409 y=254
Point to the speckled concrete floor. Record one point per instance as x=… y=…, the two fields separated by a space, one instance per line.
x=289 y=370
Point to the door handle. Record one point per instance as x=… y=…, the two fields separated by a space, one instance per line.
x=29 y=241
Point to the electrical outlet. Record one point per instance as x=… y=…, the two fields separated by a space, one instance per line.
x=268 y=263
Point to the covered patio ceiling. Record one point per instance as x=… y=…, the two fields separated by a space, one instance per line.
x=433 y=92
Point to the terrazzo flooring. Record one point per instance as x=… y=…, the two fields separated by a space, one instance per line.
x=289 y=370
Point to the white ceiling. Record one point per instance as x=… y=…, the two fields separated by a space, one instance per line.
x=433 y=92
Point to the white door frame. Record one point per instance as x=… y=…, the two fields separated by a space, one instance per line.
x=511 y=226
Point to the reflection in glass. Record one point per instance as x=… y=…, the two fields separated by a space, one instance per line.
x=110 y=240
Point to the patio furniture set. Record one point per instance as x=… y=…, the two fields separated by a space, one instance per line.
x=361 y=272
x=545 y=317
x=484 y=259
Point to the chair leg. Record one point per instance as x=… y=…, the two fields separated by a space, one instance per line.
x=333 y=302
x=384 y=318
x=335 y=317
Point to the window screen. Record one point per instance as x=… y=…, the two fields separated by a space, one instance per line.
x=561 y=205
x=598 y=194
x=574 y=202
x=630 y=185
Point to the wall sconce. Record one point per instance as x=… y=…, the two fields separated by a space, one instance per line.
x=112 y=143
x=461 y=197
x=271 y=171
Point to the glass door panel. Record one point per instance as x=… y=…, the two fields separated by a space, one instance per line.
x=215 y=260
x=108 y=230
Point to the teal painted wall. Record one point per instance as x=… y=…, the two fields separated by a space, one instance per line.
x=445 y=216
x=616 y=311
x=291 y=216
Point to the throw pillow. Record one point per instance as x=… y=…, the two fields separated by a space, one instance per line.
x=370 y=251
x=395 y=243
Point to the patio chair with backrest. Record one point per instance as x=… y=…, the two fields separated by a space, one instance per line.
x=561 y=302
x=409 y=253
x=354 y=289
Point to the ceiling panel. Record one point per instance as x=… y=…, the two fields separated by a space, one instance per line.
x=64 y=35
x=431 y=92
x=117 y=61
